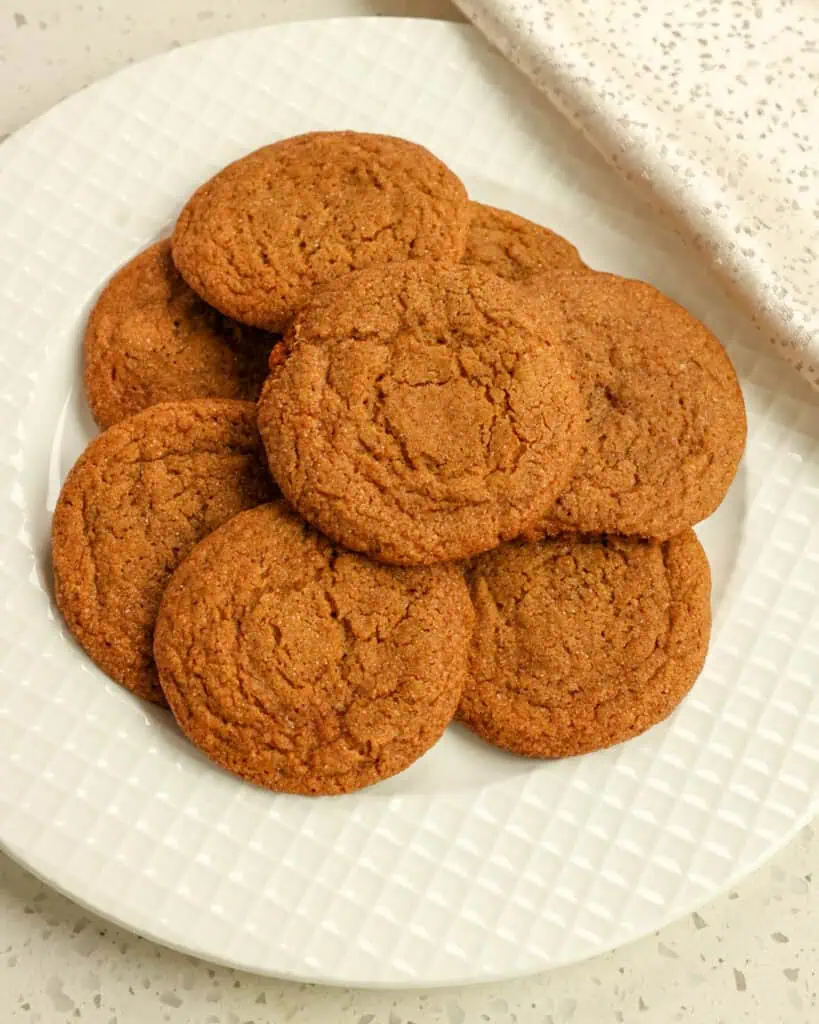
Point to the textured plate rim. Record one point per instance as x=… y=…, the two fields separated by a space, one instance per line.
x=46 y=872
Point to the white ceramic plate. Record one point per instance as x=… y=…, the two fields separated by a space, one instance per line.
x=473 y=864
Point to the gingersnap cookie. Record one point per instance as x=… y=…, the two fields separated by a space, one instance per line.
x=583 y=642
x=135 y=503
x=151 y=339
x=665 y=414
x=304 y=668
x=257 y=238
x=513 y=247
x=421 y=413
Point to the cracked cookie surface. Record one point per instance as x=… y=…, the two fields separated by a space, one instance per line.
x=259 y=236
x=513 y=247
x=304 y=668
x=421 y=413
x=582 y=642
x=133 y=506
x=665 y=414
x=151 y=339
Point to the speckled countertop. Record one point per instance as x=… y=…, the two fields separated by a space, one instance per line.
x=750 y=956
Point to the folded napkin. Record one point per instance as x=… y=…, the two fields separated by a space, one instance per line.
x=714 y=106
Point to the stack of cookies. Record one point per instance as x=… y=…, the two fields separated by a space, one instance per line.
x=376 y=457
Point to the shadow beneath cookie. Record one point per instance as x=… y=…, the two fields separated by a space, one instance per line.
x=459 y=762
x=170 y=736
x=722 y=535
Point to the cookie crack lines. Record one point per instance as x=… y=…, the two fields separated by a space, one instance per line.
x=282 y=186
x=380 y=703
x=383 y=422
x=88 y=537
x=528 y=652
x=685 y=431
x=142 y=529
x=513 y=247
x=442 y=377
x=503 y=415
x=150 y=339
x=322 y=586
x=443 y=492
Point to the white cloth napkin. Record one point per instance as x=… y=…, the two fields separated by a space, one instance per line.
x=713 y=105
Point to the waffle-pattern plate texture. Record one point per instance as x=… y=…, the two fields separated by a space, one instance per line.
x=472 y=865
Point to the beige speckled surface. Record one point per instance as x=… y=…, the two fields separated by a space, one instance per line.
x=749 y=957
x=712 y=110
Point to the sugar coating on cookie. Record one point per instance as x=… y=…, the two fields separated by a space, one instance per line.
x=133 y=506
x=304 y=668
x=581 y=642
x=665 y=413
x=151 y=339
x=421 y=413
x=513 y=247
x=260 y=235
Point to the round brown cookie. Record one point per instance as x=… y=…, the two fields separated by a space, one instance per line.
x=304 y=668
x=136 y=502
x=513 y=247
x=665 y=414
x=257 y=238
x=420 y=413
x=151 y=339
x=583 y=642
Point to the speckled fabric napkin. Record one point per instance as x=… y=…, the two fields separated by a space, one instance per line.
x=711 y=104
